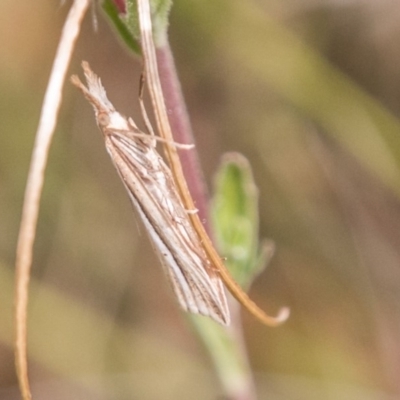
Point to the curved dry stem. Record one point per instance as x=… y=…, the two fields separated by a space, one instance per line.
x=164 y=129
x=30 y=211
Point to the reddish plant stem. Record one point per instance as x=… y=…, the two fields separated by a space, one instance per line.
x=182 y=131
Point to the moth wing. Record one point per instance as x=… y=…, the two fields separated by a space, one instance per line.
x=198 y=289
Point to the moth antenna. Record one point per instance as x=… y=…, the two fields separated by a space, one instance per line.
x=182 y=146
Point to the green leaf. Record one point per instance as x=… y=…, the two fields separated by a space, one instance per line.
x=121 y=27
x=159 y=15
x=132 y=19
x=160 y=10
x=234 y=211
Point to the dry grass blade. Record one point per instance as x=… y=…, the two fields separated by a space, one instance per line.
x=48 y=118
x=164 y=129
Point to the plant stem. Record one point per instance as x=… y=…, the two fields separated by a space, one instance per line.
x=182 y=130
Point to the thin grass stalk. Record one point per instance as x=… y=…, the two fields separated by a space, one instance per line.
x=33 y=191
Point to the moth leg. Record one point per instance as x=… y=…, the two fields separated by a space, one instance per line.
x=142 y=107
x=148 y=124
x=124 y=133
x=179 y=219
x=181 y=146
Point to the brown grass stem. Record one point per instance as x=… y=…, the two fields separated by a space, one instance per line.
x=33 y=191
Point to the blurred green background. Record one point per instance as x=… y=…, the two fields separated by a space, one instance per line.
x=309 y=92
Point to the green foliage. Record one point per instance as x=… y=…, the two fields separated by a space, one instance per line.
x=121 y=26
x=132 y=19
x=127 y=26
x=160 y=17
x=235 y=219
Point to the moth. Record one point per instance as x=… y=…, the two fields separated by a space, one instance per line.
x=153 y=193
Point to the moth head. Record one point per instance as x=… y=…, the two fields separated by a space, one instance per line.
x=111 y=120
x=103 y=119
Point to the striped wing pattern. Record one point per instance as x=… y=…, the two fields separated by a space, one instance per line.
x=154 y=195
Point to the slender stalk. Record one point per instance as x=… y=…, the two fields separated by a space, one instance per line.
x=33 y=191
x=182 y=130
